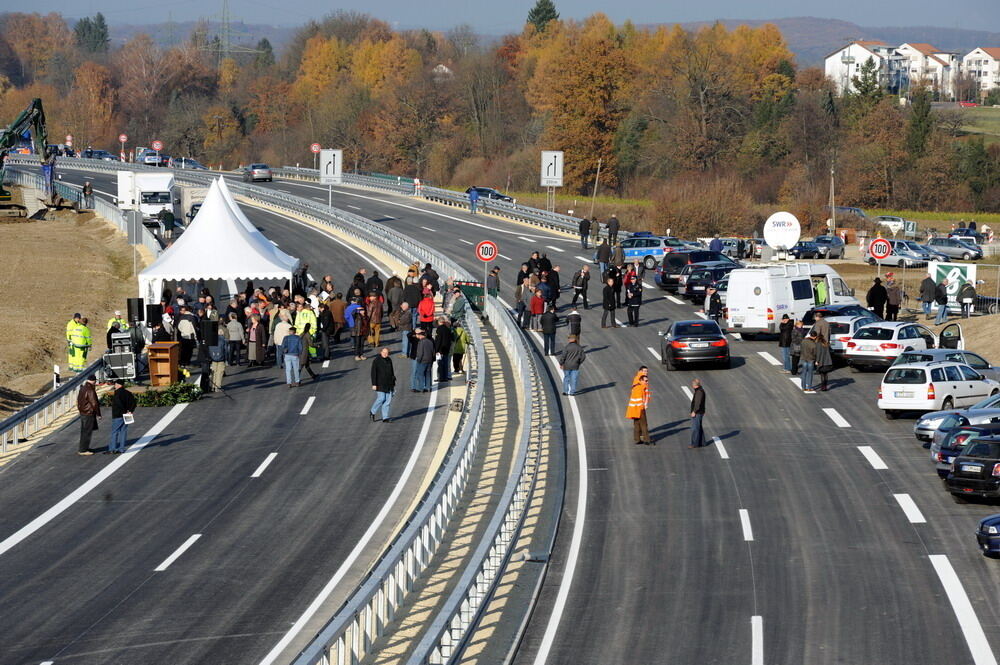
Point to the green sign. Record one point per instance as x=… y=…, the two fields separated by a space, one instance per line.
x=957 y=275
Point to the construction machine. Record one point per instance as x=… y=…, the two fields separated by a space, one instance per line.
x=30 y=119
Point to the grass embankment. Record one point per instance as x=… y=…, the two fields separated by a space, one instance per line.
x=982 y=121
x=52 y=268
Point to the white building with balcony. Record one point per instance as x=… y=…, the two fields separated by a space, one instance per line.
x=925 y=64
x=982 y=65
x=843 y=65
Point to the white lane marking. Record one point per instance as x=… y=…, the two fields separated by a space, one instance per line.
x=386 y=218
x=353 y=207
x=428 y=229
x=675 y=300
x=359 y=547
x=316 y=198
x=465 y=241
x=982 y=654
x=582 y=258
x=334 y=238
x=796 y=380
x=723 y=453
x=177 y=553
x=837 y=419
x=576 y=541
x=687 y=391
x=51 y=662
x=309 y=404
x=647 y=285
x=873 y=457
x=701 y=315
x=504 y=256
x=745 y=523
x=263 y=465
x=910 y=508
x=756 y=640
x=524 y=239
x=118 y=462
x=555 y=248
x=738 y=337
x=656 y=354
x=326 y=364
x=768 y=357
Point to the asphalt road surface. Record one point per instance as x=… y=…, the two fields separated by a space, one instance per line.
x=206 y=546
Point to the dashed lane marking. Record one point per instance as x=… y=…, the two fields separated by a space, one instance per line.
x=768 y=357
x=745 y=524
x=465 y=241
x=524 y=239
x=982 y=654
x=582 y=258
x=326 y=363
x=656 y=354
x=647 y=285
x=309 y=405
x=557 y=249
x=429 y=229
x=687 y=391
x=263 y=465
x=177 y=553
x=910 y=508
x=723 y=453
x=756 y=640
x=837 y=419
x=675 y=300
x=873 y=457
x=504 y=256
x=738 y=337
x=353 y=207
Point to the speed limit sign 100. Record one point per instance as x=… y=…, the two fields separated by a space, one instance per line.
x=880 y=248
x=486 y=251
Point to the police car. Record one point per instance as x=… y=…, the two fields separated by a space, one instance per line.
x=650 y=248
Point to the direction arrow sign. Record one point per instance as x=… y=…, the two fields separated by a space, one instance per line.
x=315 y=147
x=157 y=145
x=880 y=248
x=331 y=163
x=122 y=138
x=487 y=251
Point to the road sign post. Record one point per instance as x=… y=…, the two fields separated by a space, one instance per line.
x=486 y=251
x=331 y=164
x=122 y=138
x=315 y=148
x=69 y=140
x=879 y=249
x=157 y=146
x=551 y=176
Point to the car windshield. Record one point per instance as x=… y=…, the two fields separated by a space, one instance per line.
x=982 y=450
x=914 y=246
x=988 y=403
x=259 y=166
x=700 y=274
x=839 y=328
x=874 y=333
x=913 y=357
x=824 y=240
x=156 y=197
x=908 y=375
x=707 y=328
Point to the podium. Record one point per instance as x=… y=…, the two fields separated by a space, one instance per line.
x=164 y=362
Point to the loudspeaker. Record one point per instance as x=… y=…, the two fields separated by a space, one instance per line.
x=210 y=332
x=154 y=315
x=135 y=309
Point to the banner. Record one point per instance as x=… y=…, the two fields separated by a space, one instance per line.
x=957 y=274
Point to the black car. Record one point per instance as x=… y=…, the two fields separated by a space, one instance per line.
x=698 y=341
x=805 y=249
x=669 y=271
x=951 y=447
x=491 y=194
x=848 y=309
x=988 y=535
x=702 y=276
x=976 y=470
x=830 y=247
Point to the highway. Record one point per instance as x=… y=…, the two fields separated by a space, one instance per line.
x=787 y=543
x=208 y=544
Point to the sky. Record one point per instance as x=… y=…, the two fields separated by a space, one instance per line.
x=489 y=17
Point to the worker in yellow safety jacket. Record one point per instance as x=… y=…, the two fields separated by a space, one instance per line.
x=80 y=342
x=71 y=324
x=120 y=320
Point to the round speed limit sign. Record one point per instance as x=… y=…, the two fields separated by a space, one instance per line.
x=122 y=138
x=487 y=251
x=315 y=147
x=880 y=248
x=157 y=145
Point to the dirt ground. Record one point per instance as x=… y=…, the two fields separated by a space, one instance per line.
x=69 y=262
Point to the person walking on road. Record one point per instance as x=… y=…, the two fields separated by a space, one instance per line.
x=941 y=298
x=613 y=226
x=615 y=274
x=877 y=298
x=575 y=322
x=604 y=257
x=235 y=337
x=795 y=348
x=713 y=305
x=570 y=359
x=821 y=325
x=89 y=406
x=537 y=307
x=697 y=414
x=459 y=345
x=217 y=354
x=383 y=383
x=609 y=304
x=423 y=361
x=894 y=298
x=807 y=361
x=824 y=360
x=785 y=342
x=473 y=200
x=584 y=232
x=405 y=327
x=581 y=282
x=291 y=351
x=442 y=349
x=123 y=403
x=638 y=403
x=928 y=290
x=633 y=301
x=305 y=355
x=549 y=321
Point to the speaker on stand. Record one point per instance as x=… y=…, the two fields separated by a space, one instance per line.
x=154 y=315
x=135 y=313
x=210 y=332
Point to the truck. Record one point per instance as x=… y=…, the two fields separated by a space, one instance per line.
x=758 y=296
x=149 y=193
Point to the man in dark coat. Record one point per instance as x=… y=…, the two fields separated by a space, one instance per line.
x=941 y=298
x=633 y=300
x=877 y=298
x=581 y=281
x=383 y=383
x=374 y=284
x=575 y=322
x=442 y=348
x=927 y=290
x=89 y=406
x=123 y=403
x=613 y=226
x=554 y=286
x=549 y=322
x=584 y=232
x=697 y=413
x=615 y=274
x=603 y=256
x=609 y=304
x=713 y=305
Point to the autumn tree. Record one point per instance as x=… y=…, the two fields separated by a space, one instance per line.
x=91 y=34
x=36 y=41
x=921 y=123
x=142 y=71
x=94 y=97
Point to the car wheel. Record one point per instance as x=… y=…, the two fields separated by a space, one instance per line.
x=650 y=263
x=749 y=336
x=727 y=363
x=948 y=404
x=871 y=262
x=891 y=414
x=966 y=256
x=958 y=498
x=856 y=369
x=994 y=393
x=668 y=365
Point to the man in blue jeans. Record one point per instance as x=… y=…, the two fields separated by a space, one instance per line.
x=291 y=347
x=423 y=361
x=123 y=403
x=570 y=359
x=473 y=199
x=941 y=298
x=697 y=414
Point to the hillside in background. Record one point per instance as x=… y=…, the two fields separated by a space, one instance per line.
x=177 y=32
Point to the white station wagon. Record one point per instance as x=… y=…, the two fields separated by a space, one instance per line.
x=932 y=386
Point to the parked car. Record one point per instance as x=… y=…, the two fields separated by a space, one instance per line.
x=968 y=235
x=923 y=251
x=699 y=341
x=255 y=172
x=648 y=249
x=988 y=535
x=902 y=255
x=830 y=247
x=970 y=358
x=691 y=268
x=846 y=309
x=891 y=222
x=188 y=163
x=976 y=470
x=668 y=273
x=879 y=344
x=722 y=288
x=805 y=249
x=934 y=386
x=842 y=328
x=102 y=155
x=488 y=193
x=929 y=423
x=702 y=276
x=955 y=431
x=955 y=248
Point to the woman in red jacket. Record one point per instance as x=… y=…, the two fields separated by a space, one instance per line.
x=537 y=309
x=425 y=311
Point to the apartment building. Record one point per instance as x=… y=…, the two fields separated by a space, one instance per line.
x=843 y=65
x=982 y=65
x=928 y=65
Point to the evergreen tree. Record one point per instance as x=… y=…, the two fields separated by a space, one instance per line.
x=92 y=34
x=543 y=12
x=264 y=57
x=921 y=123
x=867 y=87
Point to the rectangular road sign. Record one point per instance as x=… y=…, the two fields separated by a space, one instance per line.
x=330 y=166
x=552 y=168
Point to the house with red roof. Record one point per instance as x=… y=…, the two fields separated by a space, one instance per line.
x=982 y=65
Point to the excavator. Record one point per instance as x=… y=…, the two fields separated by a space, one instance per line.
x=30 y=119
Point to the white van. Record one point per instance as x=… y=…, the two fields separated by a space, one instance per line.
x=757 y=297
x=149 y=193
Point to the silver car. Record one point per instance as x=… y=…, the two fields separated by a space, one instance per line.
x=902 y=256
x=928 y=424
x=842 y=328
x=955 y=248
x=970 y=358
x=256 y=172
